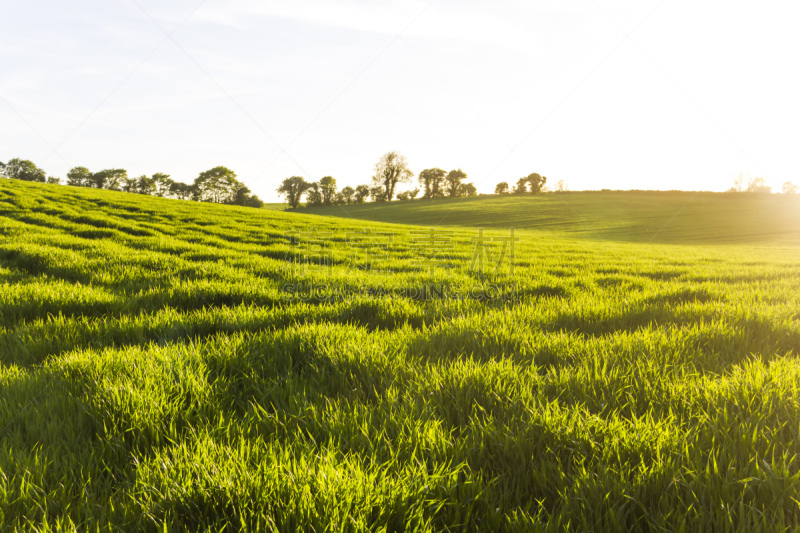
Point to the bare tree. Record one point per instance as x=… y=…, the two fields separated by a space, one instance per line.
x=758 y=185
x=390 y=170
x=738 y=184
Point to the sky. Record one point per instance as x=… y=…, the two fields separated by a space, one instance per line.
x=645 y=94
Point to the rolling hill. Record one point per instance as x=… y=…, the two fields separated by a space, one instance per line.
x=634 y=216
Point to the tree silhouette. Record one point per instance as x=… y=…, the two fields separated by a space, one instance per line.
x=789 y=188
x=218 y=185
x=432 y=180
x=738 y=184
x=362 y=193
x=144 y=185
x=79 y=177
x=182 y=191
x=467 y=189
x=347 y=195
x=536 y=182
x=293 y=189
x=327 y=187
x=408 y=195
x=501 y=188
x=390 y=170
x=245 y=198
x=112 y=178
x=758 y=185
x=22 y=169
x=454 y=179
x=163 y=184
x=314 y=195
x=377 y=193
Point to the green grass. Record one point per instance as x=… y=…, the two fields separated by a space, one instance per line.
x=634 y=216
x=165 y=368
x=276 y=206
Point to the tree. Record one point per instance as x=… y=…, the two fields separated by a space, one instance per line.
x=501 y=188
x=182 y=191
x=758 y=185
x=432 y=180
x=314 y=195
x=112 y=178
x=454 y=179
x=377 y=193
x=390 y=170
x=327 y=187
x=128 y=185
x=408 y=195
x=738 y=184
x=22 y=169
x=789 y=188
x=561 y=186
x=467 y=189
x=245 y=198
x=53 y=180
x=347 y=195
x=536 y=182
x=218 y=185
x=79 y=177
x=144 y=185
x=522 y=187
x=163 y=183
x=115 y=179
x=362 y=193
x=293 y=189
x=2 y=170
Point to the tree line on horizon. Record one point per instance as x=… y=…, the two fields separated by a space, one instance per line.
x=220 y=184
x=759 y=185
x=531 y=184
x=390 y=171
x=217 y=185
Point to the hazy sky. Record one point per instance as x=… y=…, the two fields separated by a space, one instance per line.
x=670 y=94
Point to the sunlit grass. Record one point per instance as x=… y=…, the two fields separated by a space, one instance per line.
x=629 y=216
x=163 y=366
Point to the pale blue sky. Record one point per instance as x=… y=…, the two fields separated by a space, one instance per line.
x=696 y=93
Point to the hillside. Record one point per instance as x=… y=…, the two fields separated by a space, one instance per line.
x=669 y=217
x=176 y=365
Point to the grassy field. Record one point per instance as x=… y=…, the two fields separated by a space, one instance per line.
x=278 y=206
x=170 y=365
x=647 y=216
